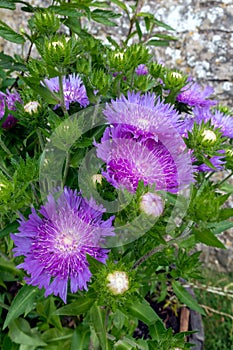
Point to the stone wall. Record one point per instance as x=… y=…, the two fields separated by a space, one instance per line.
x=204 y=50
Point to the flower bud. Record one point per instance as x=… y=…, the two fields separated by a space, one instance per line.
x=209 y=136
x=97 y=179
x=118 y=282
x=31 y=107
x=152 y=204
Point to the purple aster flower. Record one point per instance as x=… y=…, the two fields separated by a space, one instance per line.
x=141 y=69
x=8 y=100
x=55 y=243
x=216 y=161
x=217 y=119
x=145 y=116
x=193 y=95
x=73 y=90
x=153 y=162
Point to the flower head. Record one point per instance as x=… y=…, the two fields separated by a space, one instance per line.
x=73 y=90
x=55 y=243
x=141 y=69
x=217 y=119
x=194 y=96
x=144 y=116
x=8 y=100
x=129 y=161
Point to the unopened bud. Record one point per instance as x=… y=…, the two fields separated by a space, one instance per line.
x=118 y=282
x=152 y=204
x=209 y=136
x=31 y=107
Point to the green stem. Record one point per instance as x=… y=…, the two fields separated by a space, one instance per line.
x=162 y=246
x=66 y=167
x=226 y=178
x=63 y=106
x=41 y=142
x=4 y=170
x=4 y=147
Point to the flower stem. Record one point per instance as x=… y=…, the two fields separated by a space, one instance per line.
x=63 y=106
x=41 y=142
x=4 y=170
x=66 y=167
x=226 y=178
x=4 y=147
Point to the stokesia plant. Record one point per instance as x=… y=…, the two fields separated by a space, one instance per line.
x=113 y=167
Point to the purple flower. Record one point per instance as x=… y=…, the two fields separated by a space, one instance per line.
x=8 y=100
x=153 y=162
x=216 y=161
x=217 y=119
x=141 y=69
x=145 y=116
x=55 y=243
x=193 y=95
x=73 y=90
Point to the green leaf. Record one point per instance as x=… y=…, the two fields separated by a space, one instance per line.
x=21 y=333
x=81 y=338
x=158 y=42
x=7 y=5
x=144 y=312
x=9 y=34
x=139 y=31
x=120 y=4
x=221 y=226
x=225 y=213
x=8 y=266
x=207 y=237
x=227 y=187
x=80 y=306
x=184 y=296
x=98 y=316
x=23 y=301
x=162 y=24
x=129 y=343
x=103 y=17
x=95 y=265
x=9 y=229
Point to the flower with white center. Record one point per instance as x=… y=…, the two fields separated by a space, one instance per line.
x=56 y=242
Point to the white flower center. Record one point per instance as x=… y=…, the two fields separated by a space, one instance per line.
x=118 y=282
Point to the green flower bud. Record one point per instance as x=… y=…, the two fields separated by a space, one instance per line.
x=46 y=22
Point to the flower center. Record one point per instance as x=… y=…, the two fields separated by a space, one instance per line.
x=67 y=241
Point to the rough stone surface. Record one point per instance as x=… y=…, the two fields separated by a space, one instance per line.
x=204 y=50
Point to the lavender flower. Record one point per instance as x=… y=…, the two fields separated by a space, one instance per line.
x=8 y=100
x=73 y=90
x=55 y=243
x=145 y=116
x=129 y=161
x=216 y=161
x=217 y=119
x=141 y=69
x=193 y=95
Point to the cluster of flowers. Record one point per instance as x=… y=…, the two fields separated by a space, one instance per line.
x=143 y=142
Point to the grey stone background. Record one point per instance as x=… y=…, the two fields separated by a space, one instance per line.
x=204 y=50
